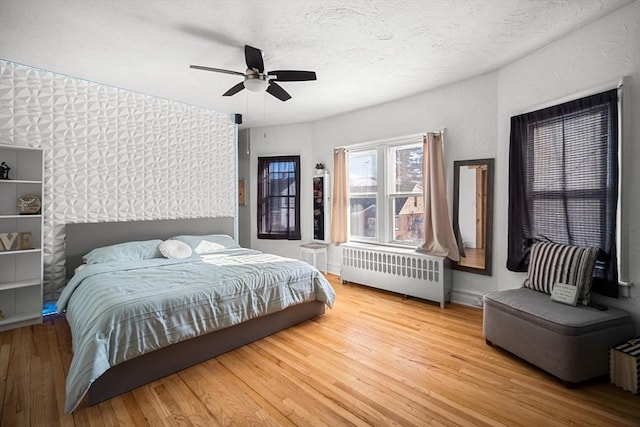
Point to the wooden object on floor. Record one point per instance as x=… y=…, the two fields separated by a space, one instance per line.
x=375 y=359
x=624 y=365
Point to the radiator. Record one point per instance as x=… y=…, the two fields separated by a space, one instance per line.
x=398 y=270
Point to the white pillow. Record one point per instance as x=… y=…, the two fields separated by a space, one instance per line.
x=174 y=249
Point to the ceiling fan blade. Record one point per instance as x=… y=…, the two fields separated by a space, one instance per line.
x=253 y=58
x=217 y=70
x=237 y=88
x=292 y=75
x=276 y=90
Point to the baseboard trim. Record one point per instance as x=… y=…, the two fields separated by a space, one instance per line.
x=470 y=298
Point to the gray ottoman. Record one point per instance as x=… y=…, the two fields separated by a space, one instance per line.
x=571 y=343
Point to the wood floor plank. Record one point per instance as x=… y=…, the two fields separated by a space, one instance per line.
x=16 y=411
x=334 y=412
x=152 y=408
x=377 y=358
x=58 y=377
x=324 y=384
x=129 y=412
x=5 y=352
x=217 y=390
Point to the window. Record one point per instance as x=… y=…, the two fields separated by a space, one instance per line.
x=406 y=196
x=385 y=192
x=279 y=197
x=563 y=182
x=363 y=194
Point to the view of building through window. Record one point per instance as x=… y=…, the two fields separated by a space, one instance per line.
x=393 y=198
x=406 y=197
x=363 y=193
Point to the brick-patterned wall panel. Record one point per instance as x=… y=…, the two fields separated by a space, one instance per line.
x=115 y=155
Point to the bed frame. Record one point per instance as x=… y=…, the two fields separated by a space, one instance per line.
x=81 y=238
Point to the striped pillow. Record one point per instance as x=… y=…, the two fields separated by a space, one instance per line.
x=551 y=263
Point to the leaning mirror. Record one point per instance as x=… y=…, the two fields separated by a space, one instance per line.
x=473 y=214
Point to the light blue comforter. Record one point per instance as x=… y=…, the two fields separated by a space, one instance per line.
x=118 y=311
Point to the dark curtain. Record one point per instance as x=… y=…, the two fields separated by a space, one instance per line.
x=563 y=182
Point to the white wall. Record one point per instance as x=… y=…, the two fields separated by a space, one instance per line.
x=476 y=115
x=577 y=65
x=277 y=141
x=468 y=111
x=115 y=155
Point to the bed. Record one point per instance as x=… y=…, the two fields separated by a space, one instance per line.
x=135 y=321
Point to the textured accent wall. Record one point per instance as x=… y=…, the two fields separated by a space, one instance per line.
x=115 y=155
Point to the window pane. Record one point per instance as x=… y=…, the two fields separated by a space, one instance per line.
x=363 y=167
x=278 y=199
x=281 y=213
x=408 y=219
x=363 y=217
x=407 y=161
x=569 y=178
x=570 y=151
x=551 y=215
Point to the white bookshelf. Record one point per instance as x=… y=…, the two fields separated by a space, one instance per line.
x=21 y=269
x=321 y=208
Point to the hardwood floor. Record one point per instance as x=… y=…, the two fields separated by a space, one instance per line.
x=375 y=359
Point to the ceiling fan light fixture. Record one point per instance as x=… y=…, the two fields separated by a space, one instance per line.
x=255 y=84
x=256 y=80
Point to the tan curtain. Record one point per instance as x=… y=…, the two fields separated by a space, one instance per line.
x=340 y=203
x=438 y=233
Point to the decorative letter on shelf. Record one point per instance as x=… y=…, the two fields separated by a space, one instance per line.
x=15 y=241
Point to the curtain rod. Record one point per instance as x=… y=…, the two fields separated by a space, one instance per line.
x=390 y=140
x=612 y=84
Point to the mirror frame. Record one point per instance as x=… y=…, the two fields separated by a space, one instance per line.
x=489 y=213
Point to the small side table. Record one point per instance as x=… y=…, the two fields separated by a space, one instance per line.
x=315 y=248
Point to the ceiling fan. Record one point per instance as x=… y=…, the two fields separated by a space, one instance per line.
x=256 y=80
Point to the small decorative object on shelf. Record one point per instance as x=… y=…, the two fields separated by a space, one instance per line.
x=29 y=204
x=319 y=168
x=4 y=170
x=7 y=240
x=1 y=315
x=19 y=241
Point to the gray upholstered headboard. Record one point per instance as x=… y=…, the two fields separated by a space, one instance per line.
x=81 y=238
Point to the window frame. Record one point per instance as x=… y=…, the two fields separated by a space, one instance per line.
x=392 y=194
x=366 y=195
x=386 y=194
x=264 y=163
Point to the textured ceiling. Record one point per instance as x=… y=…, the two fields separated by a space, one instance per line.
x=365 y=52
